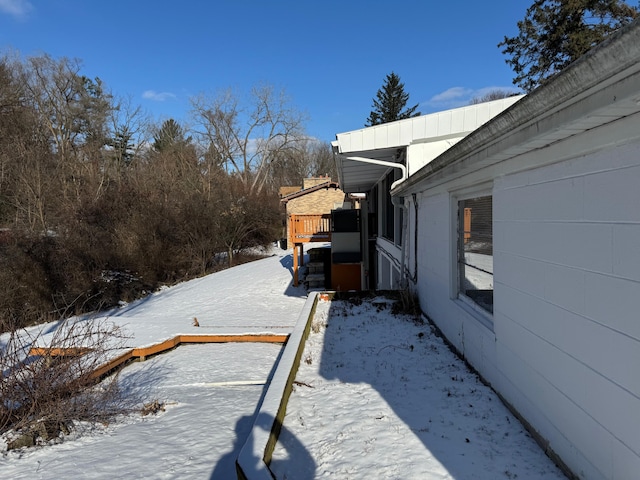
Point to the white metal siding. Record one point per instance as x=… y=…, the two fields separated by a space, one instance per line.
x=402 y=132
x=419 y=154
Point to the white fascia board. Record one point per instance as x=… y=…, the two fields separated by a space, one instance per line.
x=424 y=128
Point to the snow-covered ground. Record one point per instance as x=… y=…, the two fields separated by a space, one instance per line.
x=210 y=392
x=378 y=396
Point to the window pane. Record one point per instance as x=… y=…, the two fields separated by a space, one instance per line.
x=475 y=253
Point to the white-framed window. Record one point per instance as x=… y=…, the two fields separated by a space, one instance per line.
x=474 y=249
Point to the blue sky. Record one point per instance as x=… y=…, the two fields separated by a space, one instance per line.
x=330 y=56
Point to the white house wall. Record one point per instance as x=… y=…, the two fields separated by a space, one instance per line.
x=567 y=272
x=564 y=347
x=388 y=260
x=419 y=154
x=436 y=276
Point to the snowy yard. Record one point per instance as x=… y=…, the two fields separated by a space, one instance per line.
x=210 y=392
x=377 y=395
x=380 y=396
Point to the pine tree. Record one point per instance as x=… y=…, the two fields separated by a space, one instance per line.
x=389 y=104
x=554 y=33
x=122 y=144
x=171 y=135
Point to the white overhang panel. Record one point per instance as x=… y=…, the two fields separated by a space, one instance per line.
x=358 y=177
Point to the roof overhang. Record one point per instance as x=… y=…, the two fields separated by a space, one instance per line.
x=391 y=142
x=357 y=176
x=601 y=87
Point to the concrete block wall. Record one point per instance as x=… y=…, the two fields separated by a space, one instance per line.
x=563 y=346
x=566 y=258
x=437 y=280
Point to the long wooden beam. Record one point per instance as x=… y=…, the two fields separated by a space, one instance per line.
x=143 y=352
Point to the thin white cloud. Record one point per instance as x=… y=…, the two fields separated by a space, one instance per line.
x=17 y=8
x=156 y=96
x=455 y=97
x=453 y=94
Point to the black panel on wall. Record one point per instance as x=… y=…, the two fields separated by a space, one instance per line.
x=346 y=220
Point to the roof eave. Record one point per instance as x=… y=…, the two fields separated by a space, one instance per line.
x=599 y=81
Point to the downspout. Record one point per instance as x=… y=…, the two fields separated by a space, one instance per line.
x=414 y=276
x=396 y=202
x=403 y=248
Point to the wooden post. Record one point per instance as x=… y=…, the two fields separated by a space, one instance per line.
x=301 y=253
x=467 y=224
x=295 y=265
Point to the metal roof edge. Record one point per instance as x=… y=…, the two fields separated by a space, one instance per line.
x=337 y=146
x=300 y=193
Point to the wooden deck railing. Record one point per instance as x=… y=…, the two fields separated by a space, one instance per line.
x=304 y=229
x=310 y=228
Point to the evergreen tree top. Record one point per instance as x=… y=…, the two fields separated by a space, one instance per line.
x=390 y=102
x=554 y=33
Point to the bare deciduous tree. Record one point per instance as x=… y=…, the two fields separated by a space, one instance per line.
x=312 y=158
x=72 y=107
x=129 y=131
x=74 y=110
x=91 y=213
x=496 y=94
x=247 y=141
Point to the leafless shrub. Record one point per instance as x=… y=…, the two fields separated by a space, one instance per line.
x=49 y=380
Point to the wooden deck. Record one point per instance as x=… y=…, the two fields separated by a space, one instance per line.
x=304 y=229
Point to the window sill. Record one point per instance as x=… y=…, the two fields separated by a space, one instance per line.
x=484 y=318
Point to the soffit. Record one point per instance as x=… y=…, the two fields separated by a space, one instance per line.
x=359 y=177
